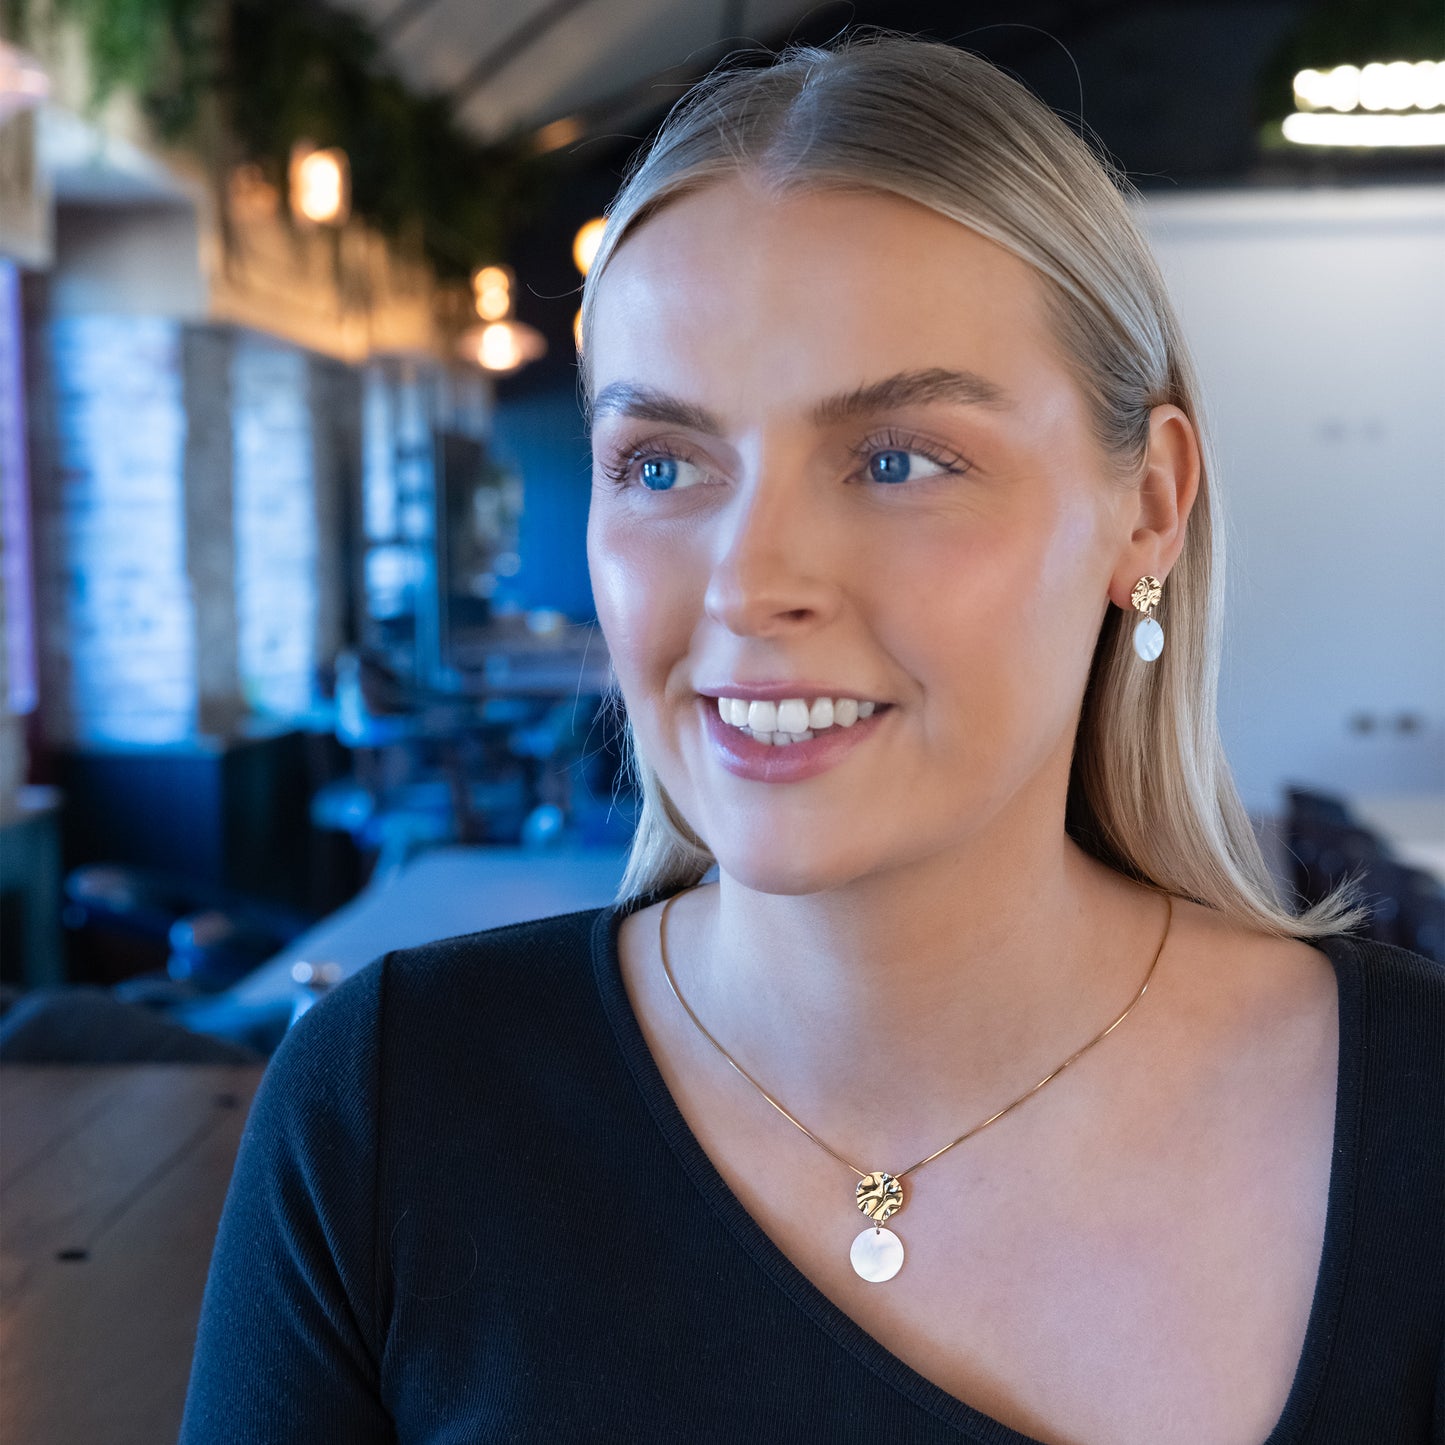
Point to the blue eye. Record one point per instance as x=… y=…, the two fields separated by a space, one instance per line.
x=659 y=473
x=895 y=465
x=889 y=466
x=657 y=470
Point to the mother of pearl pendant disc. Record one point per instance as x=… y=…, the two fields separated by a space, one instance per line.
x=877 y=1254
x=1148 y=639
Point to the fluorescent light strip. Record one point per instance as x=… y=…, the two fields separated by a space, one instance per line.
x=1314 y=128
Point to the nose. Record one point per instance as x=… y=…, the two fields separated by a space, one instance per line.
x=773 y=568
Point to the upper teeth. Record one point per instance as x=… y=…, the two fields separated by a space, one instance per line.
x=793 y=715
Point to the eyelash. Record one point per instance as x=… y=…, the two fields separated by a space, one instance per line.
x=618 y=469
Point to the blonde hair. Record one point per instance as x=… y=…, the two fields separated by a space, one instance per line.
x=1150 y=791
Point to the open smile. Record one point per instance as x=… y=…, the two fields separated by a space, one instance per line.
x=746 y=755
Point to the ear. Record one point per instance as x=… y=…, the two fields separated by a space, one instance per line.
x=1156 y=511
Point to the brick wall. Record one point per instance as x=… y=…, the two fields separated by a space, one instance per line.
x=16 y=620
x=116 y=622
x=275 y=517
x=188 y=485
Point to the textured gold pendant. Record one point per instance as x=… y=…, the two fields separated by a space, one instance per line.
x=1146 y=594
x=879 y=1195
x=877 y=1253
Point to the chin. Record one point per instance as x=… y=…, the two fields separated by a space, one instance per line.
x=787 y=876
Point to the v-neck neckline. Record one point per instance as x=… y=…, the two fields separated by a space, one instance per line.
x=972 y=1423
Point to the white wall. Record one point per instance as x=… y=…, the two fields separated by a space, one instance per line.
x=127 y=260
x=1317 y=319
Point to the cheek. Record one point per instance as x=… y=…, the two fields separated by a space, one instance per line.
x=641 y=593
x=995 y=616
x=954 y=595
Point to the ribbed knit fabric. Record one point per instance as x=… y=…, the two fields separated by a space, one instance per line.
x=466 y=1209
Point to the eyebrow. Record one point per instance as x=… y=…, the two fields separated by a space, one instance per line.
x=906 y=388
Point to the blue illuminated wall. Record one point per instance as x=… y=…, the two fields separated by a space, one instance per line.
x=275 y=516
x=542 y=438
x=117 y=631
x=185 y=481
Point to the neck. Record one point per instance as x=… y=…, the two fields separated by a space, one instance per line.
x=940 y=987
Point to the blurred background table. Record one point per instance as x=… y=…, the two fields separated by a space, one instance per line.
x=440 y=894
x=112 y=1179
x=1412 y=824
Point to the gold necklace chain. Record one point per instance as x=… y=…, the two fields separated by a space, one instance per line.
x=967 y=1134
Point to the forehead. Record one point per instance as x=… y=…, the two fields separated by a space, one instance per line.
x=754 y=298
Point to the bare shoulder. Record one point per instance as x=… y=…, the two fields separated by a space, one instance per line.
x=1261 y=999
x=1219 y=947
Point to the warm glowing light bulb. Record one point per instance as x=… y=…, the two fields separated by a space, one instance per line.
x=493 y=303
x=586 y=242
x=1342 y=87
x=502 y=345
x=1429 y=84
x=1374 y=87
x=1311 y=90
x=320 y=186
x=492 y=286
x=498 y=349
x=1400 y=84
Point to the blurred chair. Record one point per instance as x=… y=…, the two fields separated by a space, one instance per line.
x=87 y=1025
x=1421 y=922
x=205 y=939
x=1325 y=854
x=435 y=768
x=1313 y=806
x=1327 y=845
x=173 y=930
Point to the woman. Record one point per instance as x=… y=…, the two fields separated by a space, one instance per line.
x=989 y=1093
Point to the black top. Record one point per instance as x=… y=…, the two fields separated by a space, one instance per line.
x=467 y=1209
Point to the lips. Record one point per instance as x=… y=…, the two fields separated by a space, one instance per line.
x=777 y=691
x=745 y=757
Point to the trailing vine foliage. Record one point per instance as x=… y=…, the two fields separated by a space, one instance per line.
x=144 y=45
x=244 y=80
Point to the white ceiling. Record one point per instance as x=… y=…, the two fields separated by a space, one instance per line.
x=559 y=56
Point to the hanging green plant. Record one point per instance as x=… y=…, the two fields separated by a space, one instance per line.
x=152 y=47
x=245 y=80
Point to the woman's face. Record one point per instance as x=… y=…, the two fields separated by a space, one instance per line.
x=836 y=453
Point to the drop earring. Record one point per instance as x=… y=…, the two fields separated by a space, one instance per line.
x=1148 y=635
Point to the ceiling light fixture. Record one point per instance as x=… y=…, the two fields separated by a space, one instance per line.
x=586 y=242
x=1400 y=103
x=558 y=133
x=492 y=290
x=320 y=185
x=502 y=346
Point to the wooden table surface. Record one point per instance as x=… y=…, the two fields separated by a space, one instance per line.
x=112 y=1179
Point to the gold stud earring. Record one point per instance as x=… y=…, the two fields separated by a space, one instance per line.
x=1148 y=635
